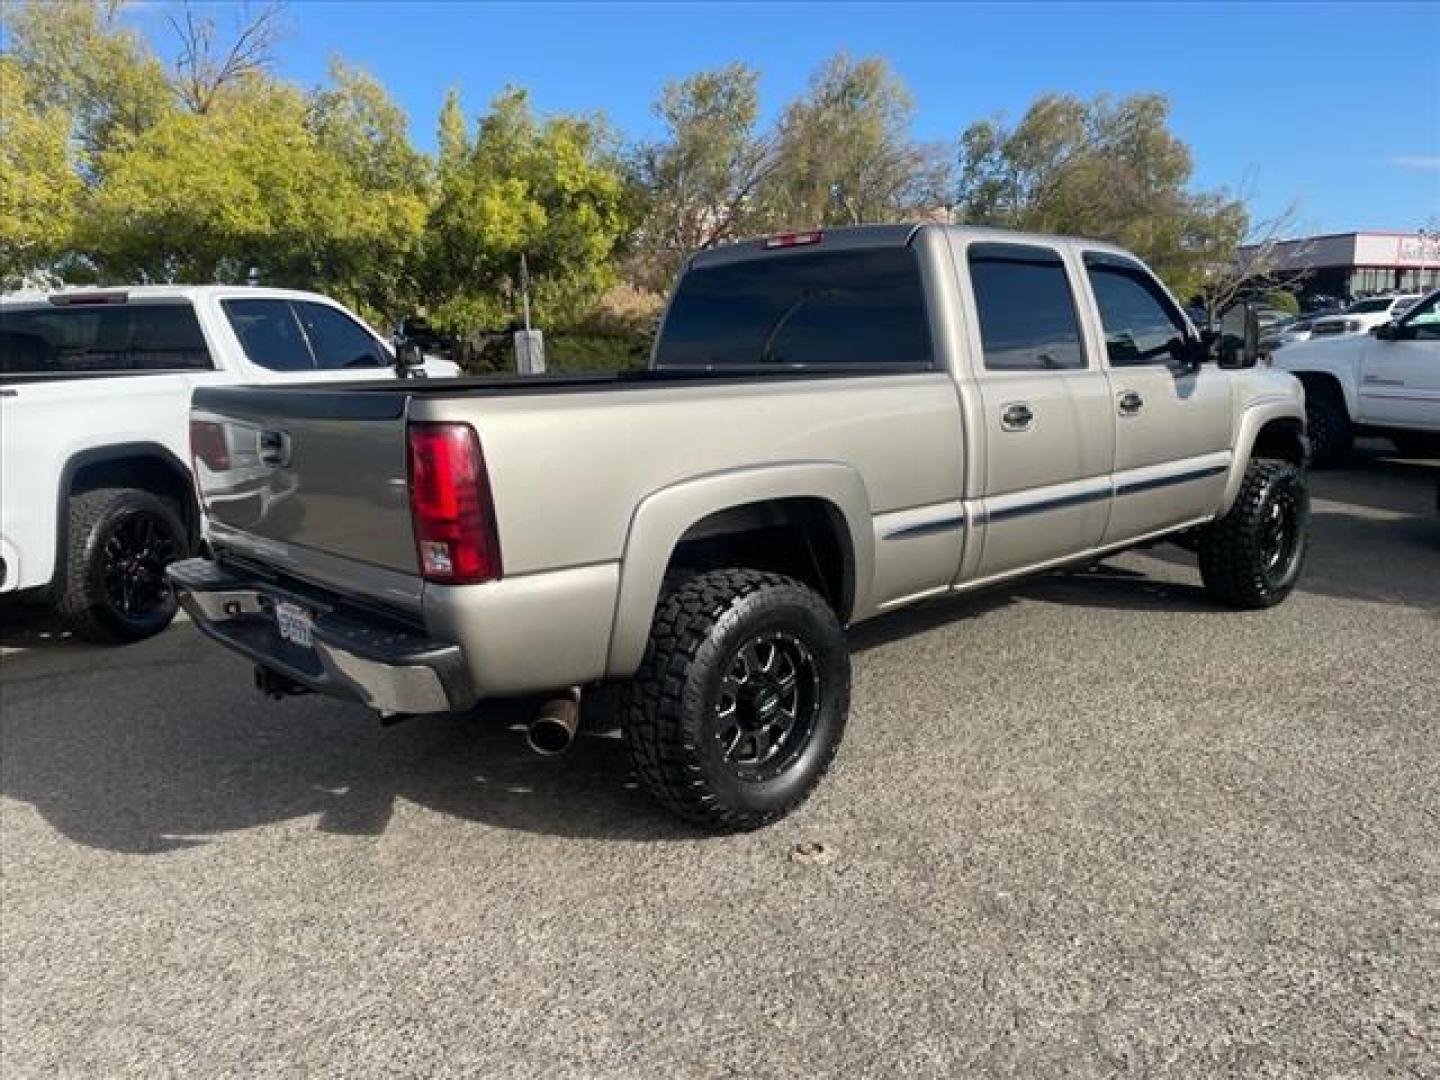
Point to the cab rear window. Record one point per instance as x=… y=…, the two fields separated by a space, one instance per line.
x=60 y=341
x=817 y=309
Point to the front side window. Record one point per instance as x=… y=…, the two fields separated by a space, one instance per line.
x=852 y=308
x=269 y=334
x=1141 y=325
x=1423 y=321
x=1027 y=311
x=337 y=340
x=99 y=340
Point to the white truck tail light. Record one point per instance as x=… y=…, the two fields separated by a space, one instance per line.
x=451 y=506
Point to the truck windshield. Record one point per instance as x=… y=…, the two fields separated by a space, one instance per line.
x=101 y=340
x=842 y=308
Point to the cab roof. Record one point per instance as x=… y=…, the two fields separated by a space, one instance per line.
x=863 y=237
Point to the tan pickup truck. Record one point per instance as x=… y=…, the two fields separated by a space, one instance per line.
x=832 y=426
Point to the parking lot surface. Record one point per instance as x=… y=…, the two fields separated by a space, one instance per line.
x=1086 y=826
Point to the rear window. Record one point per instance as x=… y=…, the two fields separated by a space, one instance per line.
x=1365 y=307
x=846 y=308
x=102 y=340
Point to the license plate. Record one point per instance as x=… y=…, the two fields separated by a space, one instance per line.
x=296 y=625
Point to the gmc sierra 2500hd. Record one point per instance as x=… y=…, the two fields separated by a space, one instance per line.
x=833 y=425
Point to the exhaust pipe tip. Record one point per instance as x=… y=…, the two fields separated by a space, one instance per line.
x=552 y=731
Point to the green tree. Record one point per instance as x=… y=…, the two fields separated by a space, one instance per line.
x=79 y=59
x=319 y=192
x=702 y=180
x=1102 y=168
x=845 y=152
x=39 y=187
x=550 y=189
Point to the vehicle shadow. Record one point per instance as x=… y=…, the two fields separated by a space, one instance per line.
x=25 y=625
x=201 y=754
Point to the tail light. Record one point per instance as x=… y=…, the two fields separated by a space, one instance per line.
x=208 y=444
x=451 y=506
x=794 y=239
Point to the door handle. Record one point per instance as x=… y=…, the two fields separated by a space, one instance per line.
x=274 y=448
x=1016 y=417
x=1131 y=403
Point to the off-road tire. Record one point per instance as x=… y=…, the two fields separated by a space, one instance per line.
x=1332 y=436
x=670 y=716
x=82 y=600
x=1238 y=562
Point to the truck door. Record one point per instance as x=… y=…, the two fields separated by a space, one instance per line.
x=1173 y=424
x=1047 y=431
x=1400 y=375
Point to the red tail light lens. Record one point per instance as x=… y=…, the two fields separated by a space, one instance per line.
x=207 y=444
x=451 y=506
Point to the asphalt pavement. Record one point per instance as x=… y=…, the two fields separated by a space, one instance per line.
x=1088 y=826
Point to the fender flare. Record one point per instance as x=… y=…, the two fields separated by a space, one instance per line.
x=1256 y=415
x=664 y=516
x=98 y=455
x=1342 y=374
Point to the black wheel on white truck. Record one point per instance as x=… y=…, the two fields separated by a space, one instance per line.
x=1332 y=436
x=740 y=703
x=118 y=543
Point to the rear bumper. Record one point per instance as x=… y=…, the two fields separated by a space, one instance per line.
x=356 y=654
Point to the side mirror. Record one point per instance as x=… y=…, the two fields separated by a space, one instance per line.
x=409 y=359
x=1240 y=336
x=1386 y=331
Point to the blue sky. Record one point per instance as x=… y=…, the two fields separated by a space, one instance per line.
x=1336 y=106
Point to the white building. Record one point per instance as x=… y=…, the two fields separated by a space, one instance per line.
x=1359 y=263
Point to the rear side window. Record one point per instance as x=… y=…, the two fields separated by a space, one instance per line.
x=100 y=340
x=852 y=308
x=1026 y=307
x=269 y=334
x=1141 y=325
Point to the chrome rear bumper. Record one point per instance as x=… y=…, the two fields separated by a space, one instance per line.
x=355 y=654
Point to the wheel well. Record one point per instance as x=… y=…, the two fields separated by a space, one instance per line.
x=1283 y=439
x=156 y=471
x=803 y=538
x=1321 y=384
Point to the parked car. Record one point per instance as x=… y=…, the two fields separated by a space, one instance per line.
x=1363 y=315
x=834 y=425
x=94 y=401
x=1386 y=382
x=1321 y=304
x=1287 y=333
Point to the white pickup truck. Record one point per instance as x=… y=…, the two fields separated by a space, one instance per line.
x=96 y=493
x=1386 y=382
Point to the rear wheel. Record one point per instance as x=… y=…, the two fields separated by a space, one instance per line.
x=120 y=541
x=1251 y=558
x=740 y=704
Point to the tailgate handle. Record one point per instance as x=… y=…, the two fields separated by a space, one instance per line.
x=275 y=448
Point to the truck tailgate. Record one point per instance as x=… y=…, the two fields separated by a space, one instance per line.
x=320 y=470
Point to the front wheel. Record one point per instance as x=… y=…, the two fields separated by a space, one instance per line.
x=1251 y=558
x=1332 y=436
x=740 y=703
